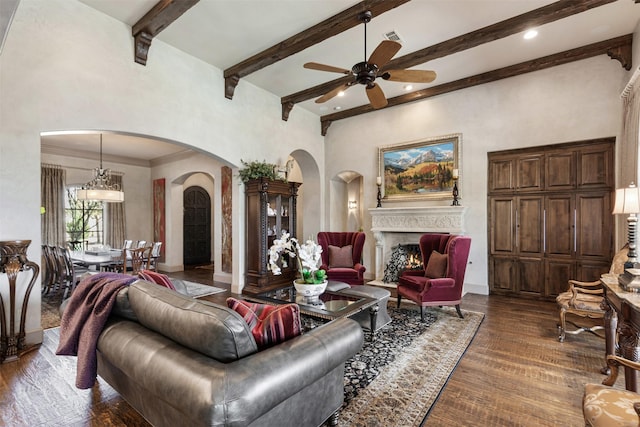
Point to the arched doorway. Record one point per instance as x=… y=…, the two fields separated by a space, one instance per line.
x=196 y=226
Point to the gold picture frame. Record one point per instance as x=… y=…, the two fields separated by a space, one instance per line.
x=420 y=170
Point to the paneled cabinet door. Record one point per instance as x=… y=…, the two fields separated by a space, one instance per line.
x=560 y=225
x=530 y=172
x=558 y=272
x=595 y=164
x=594 y=236
x=560 y=170
x=529 y=226
x=530 y=276
x=502 y=274
x=502 y=212
x=502 y=174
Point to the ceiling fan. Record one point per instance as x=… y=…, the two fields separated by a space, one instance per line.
x=366 y=72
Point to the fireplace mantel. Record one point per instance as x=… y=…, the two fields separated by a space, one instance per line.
x=392 y=226
x=429 y=219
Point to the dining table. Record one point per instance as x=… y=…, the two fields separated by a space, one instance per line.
x=96 y=259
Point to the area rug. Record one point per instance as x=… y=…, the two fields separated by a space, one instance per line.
x=396 y=379
x=51 y=303
x=197 y=290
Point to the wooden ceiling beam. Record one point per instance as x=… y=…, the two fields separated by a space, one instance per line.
x=328 y=28
x=535 y=18
x=157 y=19
x=618 y=48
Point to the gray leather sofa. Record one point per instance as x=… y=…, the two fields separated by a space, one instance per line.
x=181 y=361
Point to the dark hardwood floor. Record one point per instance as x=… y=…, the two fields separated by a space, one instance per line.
x=514 y=373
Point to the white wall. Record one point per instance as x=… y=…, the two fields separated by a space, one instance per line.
x=572 y=102
x=66 y=66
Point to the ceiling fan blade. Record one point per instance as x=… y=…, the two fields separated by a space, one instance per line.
x=376 y=96
x=384 y=52
x=410 y=76
x=323 y=67
x=332 y=93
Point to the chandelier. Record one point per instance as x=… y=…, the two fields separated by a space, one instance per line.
x=100 y=187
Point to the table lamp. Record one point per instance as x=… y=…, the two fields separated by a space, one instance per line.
x=628 y=202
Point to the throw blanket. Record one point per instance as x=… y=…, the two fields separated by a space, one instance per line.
x=84 y=318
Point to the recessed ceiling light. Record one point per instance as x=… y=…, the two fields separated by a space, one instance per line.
x=530 y=34
x=341 y=93
x=337 y=108
x=407 y=87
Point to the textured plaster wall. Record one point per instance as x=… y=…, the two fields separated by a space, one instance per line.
x=572 y=102
x=65 y=66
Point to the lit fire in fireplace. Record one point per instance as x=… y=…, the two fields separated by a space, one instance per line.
x=403 y=257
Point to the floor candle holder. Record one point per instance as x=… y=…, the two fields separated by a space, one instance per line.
x=13 y=263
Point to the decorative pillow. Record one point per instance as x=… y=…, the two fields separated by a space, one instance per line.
x=437 y=265
x=269 y=324
x=157 y=278
x=340 y=257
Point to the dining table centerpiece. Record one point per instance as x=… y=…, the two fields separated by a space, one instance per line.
x=312 y=281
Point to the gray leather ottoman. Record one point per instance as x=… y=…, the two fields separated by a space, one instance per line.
x=364 y=317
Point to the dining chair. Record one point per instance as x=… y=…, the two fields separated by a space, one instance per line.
x=70 y=273
x=152 y=260
x=135 y=260
x=50 y=274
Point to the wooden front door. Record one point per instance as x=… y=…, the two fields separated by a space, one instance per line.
x=196 y=226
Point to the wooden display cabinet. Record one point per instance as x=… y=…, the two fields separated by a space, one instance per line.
x=270 y=211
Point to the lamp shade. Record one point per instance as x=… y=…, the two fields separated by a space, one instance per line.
x=627 y=200
x=100 y=195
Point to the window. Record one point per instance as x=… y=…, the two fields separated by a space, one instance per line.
x=83 y=221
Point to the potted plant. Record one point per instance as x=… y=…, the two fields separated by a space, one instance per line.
x=312 y=281
x=257 y=170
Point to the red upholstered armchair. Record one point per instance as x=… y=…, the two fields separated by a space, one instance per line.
x=440 y=283
x=341 y=256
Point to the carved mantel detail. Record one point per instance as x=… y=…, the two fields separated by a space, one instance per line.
x=393 y=226
x=444 y=219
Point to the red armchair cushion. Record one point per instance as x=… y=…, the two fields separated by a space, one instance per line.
x=340 y=257
x=269 y=324
x=437 y=265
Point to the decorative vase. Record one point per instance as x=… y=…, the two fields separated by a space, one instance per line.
x=309 y=290
x=13 y=262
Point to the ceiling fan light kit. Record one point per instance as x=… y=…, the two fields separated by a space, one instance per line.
x=366 y=72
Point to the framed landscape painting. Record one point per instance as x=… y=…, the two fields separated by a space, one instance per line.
x=420 y=170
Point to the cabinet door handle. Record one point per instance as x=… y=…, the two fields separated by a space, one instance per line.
x=544 y=231
x=575 y=231
x=517 y=230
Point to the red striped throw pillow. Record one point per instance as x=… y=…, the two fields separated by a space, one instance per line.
x=269 y=324
x=157 y=278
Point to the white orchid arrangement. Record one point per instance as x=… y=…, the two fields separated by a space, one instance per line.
x=306 y=255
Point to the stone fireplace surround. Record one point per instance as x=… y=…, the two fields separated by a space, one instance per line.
x=405 y=225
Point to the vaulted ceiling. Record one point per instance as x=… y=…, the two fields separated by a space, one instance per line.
x=466 y=42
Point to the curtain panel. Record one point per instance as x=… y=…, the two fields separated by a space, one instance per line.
x=629 y=135
x=115 y=228
x=52 y=188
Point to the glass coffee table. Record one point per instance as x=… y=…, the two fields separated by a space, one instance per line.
x=327 y=306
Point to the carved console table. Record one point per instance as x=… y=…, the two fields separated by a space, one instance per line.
x=13 y=262
x=622 y=325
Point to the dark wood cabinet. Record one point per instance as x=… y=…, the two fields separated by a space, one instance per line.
x=549 y=217
x=270 y=211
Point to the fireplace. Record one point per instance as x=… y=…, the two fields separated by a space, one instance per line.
x=402 y=226
x=403 y=257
